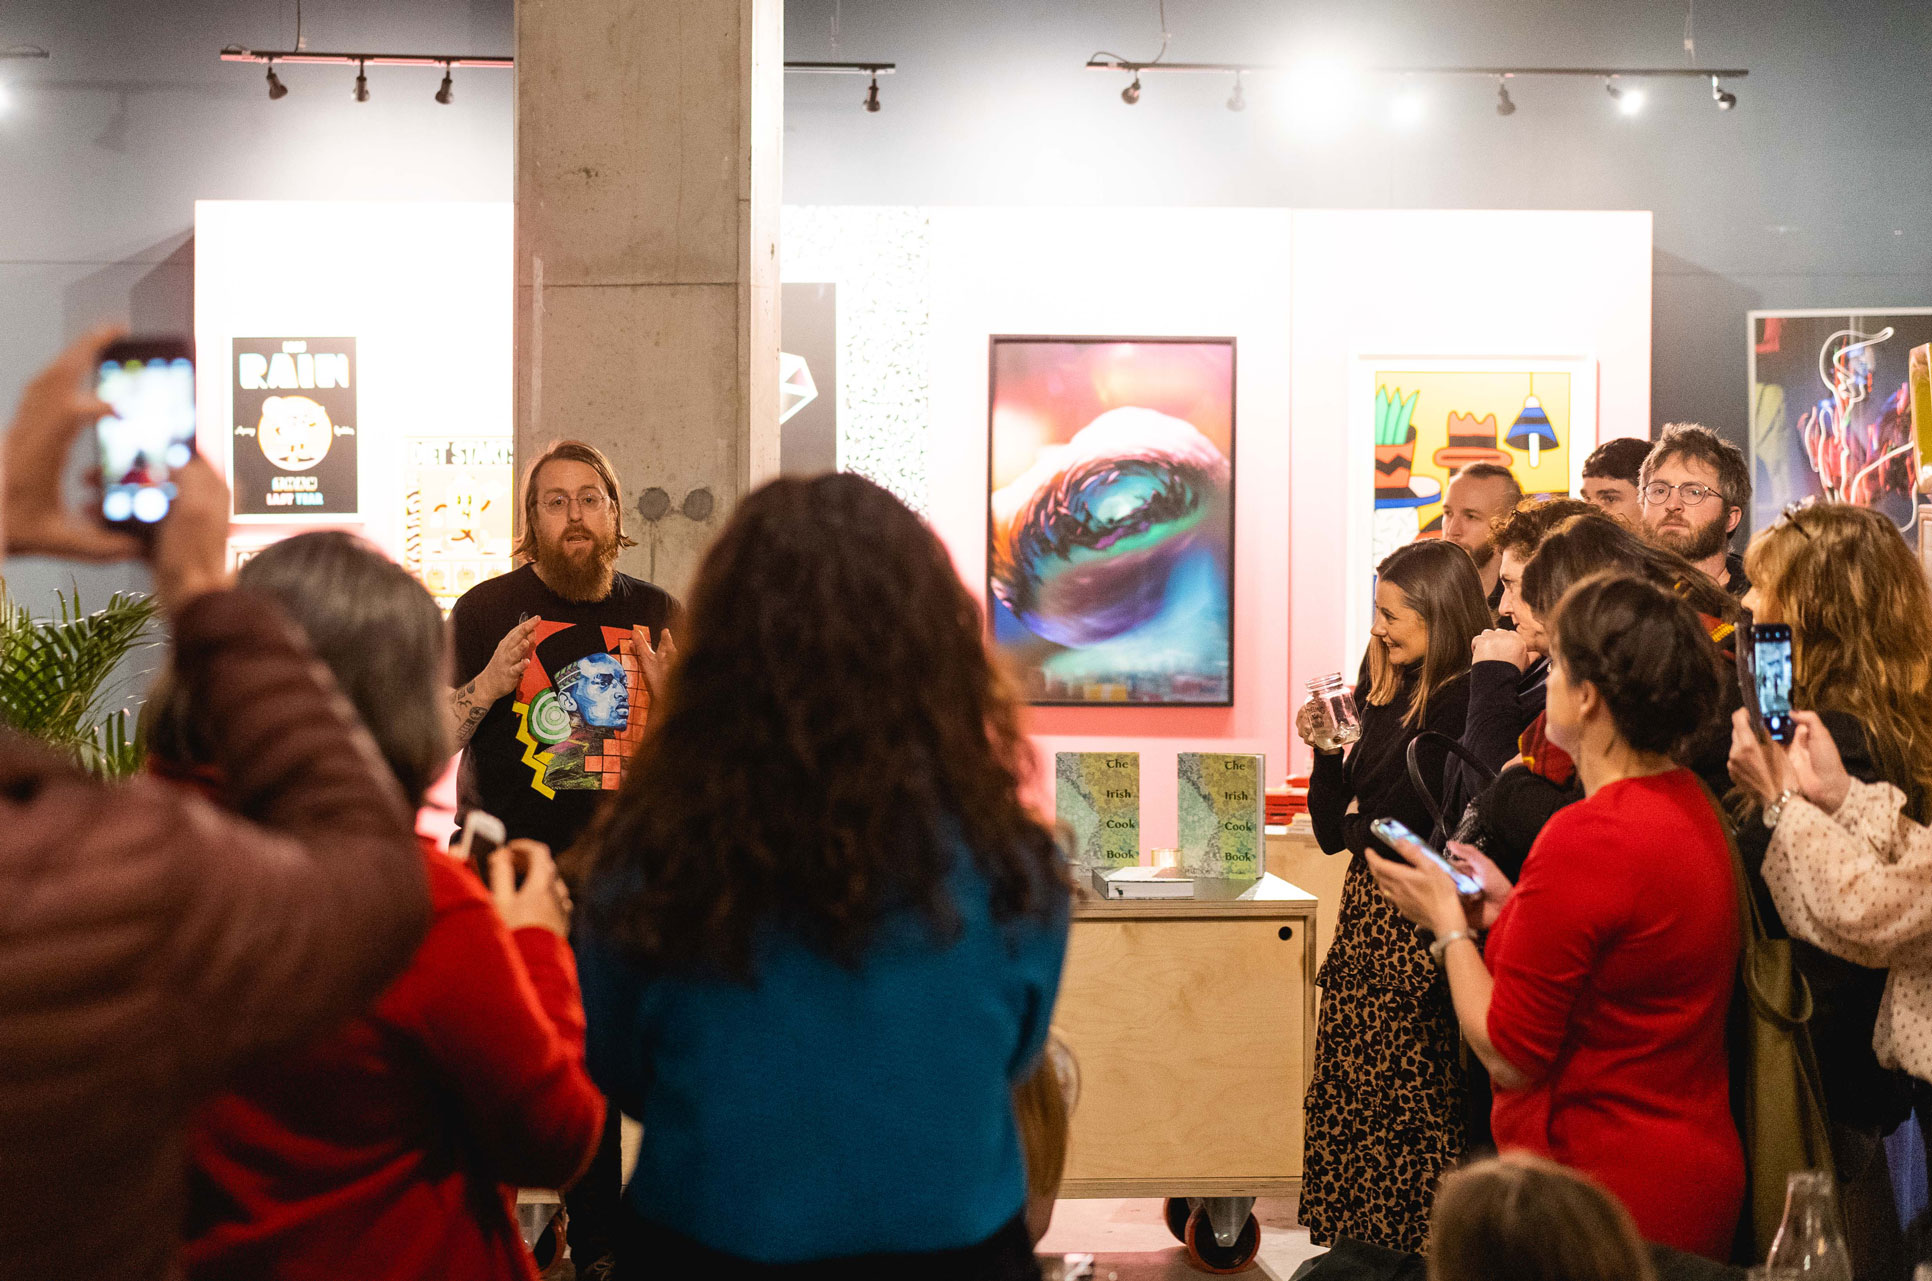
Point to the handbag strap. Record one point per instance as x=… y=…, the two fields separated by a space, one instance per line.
x=1454 y=747
x=1754 y=938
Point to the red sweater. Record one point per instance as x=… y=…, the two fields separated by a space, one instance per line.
x=1613 y=961
x=391 y=1149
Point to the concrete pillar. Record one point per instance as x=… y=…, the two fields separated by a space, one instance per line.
x=647 y=197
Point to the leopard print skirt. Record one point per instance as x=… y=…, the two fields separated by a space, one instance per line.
x=1384 y=1110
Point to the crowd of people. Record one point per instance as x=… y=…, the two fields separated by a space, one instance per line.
x=1588 y=758
x=770 y=885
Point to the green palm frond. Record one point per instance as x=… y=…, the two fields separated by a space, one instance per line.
x=54 y=675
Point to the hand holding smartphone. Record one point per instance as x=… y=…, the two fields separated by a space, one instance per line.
x=150 y=385
x=1394 y=834
x=483 y=835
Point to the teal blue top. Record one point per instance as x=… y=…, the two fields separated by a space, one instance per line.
x=823 y=1111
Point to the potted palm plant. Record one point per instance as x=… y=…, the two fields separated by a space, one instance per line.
x=54 y=677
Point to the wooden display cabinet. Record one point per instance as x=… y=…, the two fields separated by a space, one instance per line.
x=1193 y=1024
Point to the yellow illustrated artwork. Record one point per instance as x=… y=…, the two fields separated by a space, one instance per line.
x=1431 y=423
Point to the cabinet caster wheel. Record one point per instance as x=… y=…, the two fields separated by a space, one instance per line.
x=1176 y=1210
x=550 y=1247
x=1205 y=1253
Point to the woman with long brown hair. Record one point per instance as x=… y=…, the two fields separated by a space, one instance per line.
x=1861 y=636
x=822 y=932
x=1384 y=1110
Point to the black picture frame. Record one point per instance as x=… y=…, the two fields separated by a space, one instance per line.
x=994 y=342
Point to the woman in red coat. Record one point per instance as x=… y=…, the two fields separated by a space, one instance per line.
x=1598 y=1001
x=392 y=1148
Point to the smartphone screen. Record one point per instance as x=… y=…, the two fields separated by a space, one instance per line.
x=1771 y=677
x=482 y=836
x=1391 y=830
x=150 y=435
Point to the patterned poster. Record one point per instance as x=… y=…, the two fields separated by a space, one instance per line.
x=1097 y=795
x=1429 y=423
x=580 y=707
x=1220 y=801
x=458 y=502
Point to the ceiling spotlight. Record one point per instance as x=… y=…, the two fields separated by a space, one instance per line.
x=276 y=89
x=1407 y=109
x=1723 y=97
x=362 y=83
x=1131 y=94
x=1238 y=100
x=447 y=93
x=1504 y=105
x=872 y=95
x=6 y=98
x=1629 y=101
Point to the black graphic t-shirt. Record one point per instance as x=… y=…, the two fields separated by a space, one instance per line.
x=545 y=756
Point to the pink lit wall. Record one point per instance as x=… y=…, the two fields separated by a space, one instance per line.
x=1303 y=294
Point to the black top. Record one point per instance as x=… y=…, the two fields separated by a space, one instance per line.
x=1858 y=1092
x=1734 y=580
x=1503 y=702
x=543 y=757
x=1375 y=773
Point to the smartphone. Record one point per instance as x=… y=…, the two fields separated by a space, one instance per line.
x=150 y=384
x=1771 y=677
x=482 y=836
x=1390 y=831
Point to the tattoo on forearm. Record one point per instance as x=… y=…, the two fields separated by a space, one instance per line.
x=466 y=713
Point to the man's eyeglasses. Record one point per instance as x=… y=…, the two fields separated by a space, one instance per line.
x=1690 y=493
x=590 y=502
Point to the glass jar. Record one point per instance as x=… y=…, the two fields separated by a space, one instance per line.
x=1338 y=722
x=1811 y=1238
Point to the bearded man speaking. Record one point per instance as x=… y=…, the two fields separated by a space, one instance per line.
x=554 y=666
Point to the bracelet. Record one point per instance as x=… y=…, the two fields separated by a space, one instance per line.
x=1775 y=810
x=1440 y=947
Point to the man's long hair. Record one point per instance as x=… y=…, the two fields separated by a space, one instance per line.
x=575 y=451
x=834 y=735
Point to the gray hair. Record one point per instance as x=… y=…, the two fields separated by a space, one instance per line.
x=376 y=628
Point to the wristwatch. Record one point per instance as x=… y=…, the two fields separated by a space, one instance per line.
x=1440 y=947
x=1775 y=810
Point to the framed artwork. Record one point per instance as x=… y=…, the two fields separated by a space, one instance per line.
x=1831 y=410
x=1414 y=422
x=1110 y=518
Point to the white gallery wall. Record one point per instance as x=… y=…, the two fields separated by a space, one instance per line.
x=1306 y=295
x=425 y=289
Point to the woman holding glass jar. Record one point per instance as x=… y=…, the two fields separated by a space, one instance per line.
x=1384 y=1109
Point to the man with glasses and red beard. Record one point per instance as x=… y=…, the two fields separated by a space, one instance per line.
x=1694 y=488
x=555 y=662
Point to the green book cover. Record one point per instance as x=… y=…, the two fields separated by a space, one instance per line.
x=1097 y=795
x=1220 y=802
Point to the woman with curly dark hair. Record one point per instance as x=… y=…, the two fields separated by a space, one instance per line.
x=823 y=933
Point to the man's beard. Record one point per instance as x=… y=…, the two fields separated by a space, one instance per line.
x=1700 y=542
x=587 y=579
x=1482 y=555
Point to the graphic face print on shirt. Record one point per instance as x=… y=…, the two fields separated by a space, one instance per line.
x=580 y=707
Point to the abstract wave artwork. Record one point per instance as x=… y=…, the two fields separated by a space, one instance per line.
x=1111 y=518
